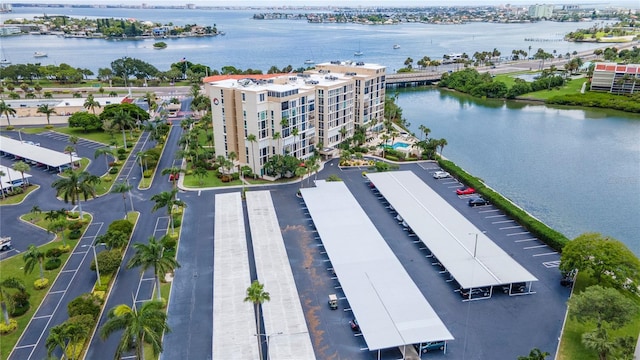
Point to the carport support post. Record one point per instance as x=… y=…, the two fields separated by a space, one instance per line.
x=475 y=246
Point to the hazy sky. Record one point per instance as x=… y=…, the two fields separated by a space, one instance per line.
x=625 y=3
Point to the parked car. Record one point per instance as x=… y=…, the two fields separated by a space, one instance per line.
x=441 y=175
x=466 y=191
x=5 y=243
x=354 y=325
x=429 y=346
x=478 y=202
x=519 y=287
x=474 y=292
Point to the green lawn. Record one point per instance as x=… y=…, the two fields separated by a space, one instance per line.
x=14 y=267
x=571 y=87
x=101 y=136
x=209 y=181
x=17 y=199
x=571 y=343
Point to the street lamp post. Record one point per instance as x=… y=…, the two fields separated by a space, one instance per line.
x=95 y=258
x=130 y=197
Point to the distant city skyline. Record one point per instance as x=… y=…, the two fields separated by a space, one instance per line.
x=635 y=4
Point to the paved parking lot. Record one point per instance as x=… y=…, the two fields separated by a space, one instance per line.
x=502 y=327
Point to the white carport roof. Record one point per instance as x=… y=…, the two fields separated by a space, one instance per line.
x=389 y=307
x=11 y=176
x=284 y=321
x=448 y=234
x=36 y=153
x=234 y=321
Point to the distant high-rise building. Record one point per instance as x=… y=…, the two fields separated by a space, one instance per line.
x=541 y=11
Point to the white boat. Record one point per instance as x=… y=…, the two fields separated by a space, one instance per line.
x=5 y=62
x=396 y=46
x=309 y=61
x=39 y=54
x=358 y=53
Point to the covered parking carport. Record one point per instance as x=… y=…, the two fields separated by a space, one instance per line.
x=390 y=309
x=36 y=155
x=470 y=257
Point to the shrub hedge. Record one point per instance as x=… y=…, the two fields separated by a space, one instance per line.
x=124 y=226
x=52 y=263
x=108 y=261
x=549 y=236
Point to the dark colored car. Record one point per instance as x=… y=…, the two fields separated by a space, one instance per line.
x=465 y=191
x=478 y=202
x=354 y=325
x=429 y=346
x=475 y=292
x=516 y=288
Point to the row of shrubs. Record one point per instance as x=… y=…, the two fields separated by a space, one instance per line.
x=549 y=236
x=630 y=103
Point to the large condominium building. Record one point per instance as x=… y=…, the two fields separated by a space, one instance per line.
x=258 y=116
x=615 y=78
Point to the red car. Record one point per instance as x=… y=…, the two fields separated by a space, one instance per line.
x=465 y=191
x=172 y=177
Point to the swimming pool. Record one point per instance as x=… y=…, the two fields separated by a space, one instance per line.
x=398 y=145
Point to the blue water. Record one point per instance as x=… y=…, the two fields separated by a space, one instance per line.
x=576 y=170
x=400 y=145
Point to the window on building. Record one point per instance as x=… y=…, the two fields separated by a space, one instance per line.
x=243 y=97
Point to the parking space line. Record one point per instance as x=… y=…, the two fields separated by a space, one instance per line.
x=43 y=316
x=545 y=254
x=502 y=222
x=534 y=247
x=24 y=346
x=510 y=227
x=484 y=211
x=523 y=240
x=519 y=233
x=494 y=216
x=57 y=292
x=67 y=271
x=551 y=264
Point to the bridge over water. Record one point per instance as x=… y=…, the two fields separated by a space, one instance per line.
x=412 y=79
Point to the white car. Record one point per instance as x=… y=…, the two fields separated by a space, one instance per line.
x=441 y=175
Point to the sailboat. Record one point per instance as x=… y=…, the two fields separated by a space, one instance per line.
x=358 y=53
x=3 y=60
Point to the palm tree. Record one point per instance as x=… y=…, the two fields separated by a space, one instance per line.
x=45 y=109
x=424 y=130
x=70 y=150
x=200 y=172
x=153 y=255
x=138 y=327
x=257 y=295
x=123 y=188
x=22 y=167
x=252 y=139
x=598 y=340
x=276 y=137
x=6 y=110
x=173 y=173
x=5 y=295
x=103 y=151
x=123 y=121
x=2 y=173
x=74 y=141
x=78 y=183
x=31 y=257
x=535 y=354
x=442 y=143
x=167 y=199
x=66 y=334
x=91 y=104
x=57 y=226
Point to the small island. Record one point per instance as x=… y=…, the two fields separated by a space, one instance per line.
x=160 y=45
